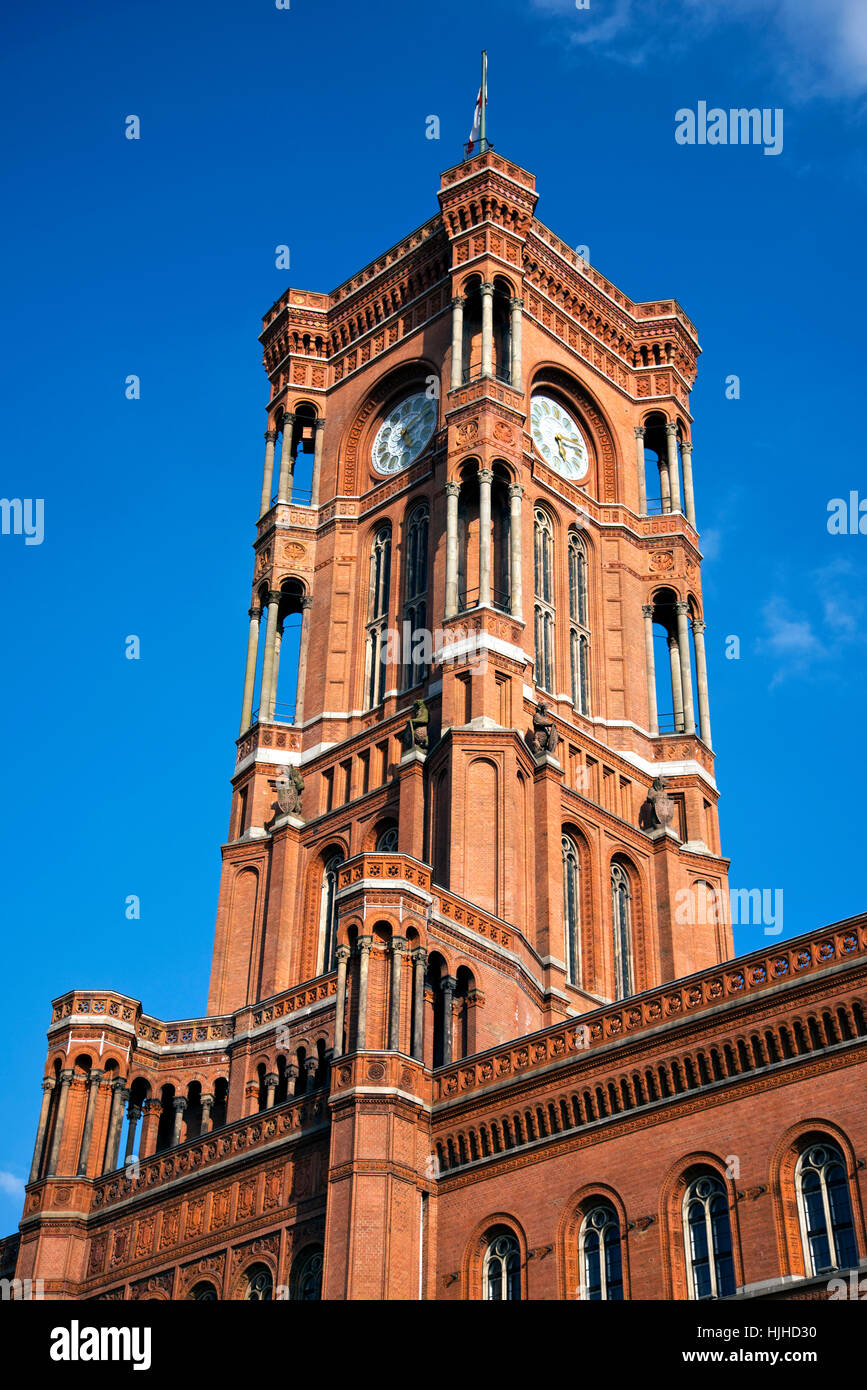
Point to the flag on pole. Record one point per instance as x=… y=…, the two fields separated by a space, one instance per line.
x=477 y=134
x=477 y=124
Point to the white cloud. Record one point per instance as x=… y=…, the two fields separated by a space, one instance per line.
x=11 y=1186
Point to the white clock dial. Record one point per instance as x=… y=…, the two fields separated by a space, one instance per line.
x=404 y=433
x=558 y=438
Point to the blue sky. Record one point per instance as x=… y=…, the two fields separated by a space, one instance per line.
x=155 y=257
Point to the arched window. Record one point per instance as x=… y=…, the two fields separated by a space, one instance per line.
x=203 y=1292
x=572 y=907
x=306 y=1282
x=328 y=915
x=825 y=1207
x=377 y=615
x=621 y=916
x=386 y=842
x=708 y=1238
x=259 y=1285
x=543 y=570
x=579 y=631
x=502 y=1269
x=415 y=595
x=599 y=1255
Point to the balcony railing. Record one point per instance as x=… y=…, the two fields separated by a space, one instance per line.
x=283 y=714
x=301 y=497
x=500 y=598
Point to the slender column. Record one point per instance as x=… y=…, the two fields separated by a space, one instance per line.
x=133 y=1115
x=340 y=999
x=516 y=492
x=681 y=610
x=284 y=487
x=207 y=1119
x=516 y=365
x=268 y=472
x=292 y=1074
x=664 y=486
x=457 y=374
x=254 y=615
x=318 y=437
x=266 y=693
x=448 y=985
x=272 y=1081
x=306 y=605
x=419 y=961
x=688 y=493
x=65 y=1081
x=364 y=945
x=647 y=610
x=47 y=1088
x=94 y=1079
x=698 y=628
x=639 y=459
x=673 y=470
x=398 y=945
x=486 y=477
x=487 y=329
x=152 y=1113
x=676 y=684
x=179 y=1105
x=311 y=1067
x=278 y=643
x=119 y=1097
x=452 y=494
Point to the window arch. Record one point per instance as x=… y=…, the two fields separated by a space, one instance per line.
x=708 y=1238
x=825 y=1209
x=386 y=840
x=306 y=1282
x=328 y=914
x=599 y=1255
x=203 y=1292
x=579 y=625
x=501 y=1271
x=379 y=584
x=258 y=1284
x=543 y=572
x=415 y=593
x=621 y=917
x=572 y=907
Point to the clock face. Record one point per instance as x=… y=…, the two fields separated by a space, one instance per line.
x=558 y=438
x=404 y=433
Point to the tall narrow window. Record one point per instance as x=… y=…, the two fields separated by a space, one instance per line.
x=600 y=1256
x=708 y=1239
x=571 y=908
x=826 y=1210
x=544 y=605
x=502 y=1270
x=579 y=632
x=621 y=912
x=328 y=916
x=415 y=596
x=377 y=615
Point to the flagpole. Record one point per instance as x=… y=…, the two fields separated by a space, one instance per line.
x=483 y=141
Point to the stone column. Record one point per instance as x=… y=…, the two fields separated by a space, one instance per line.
x=152 y=1113
x=284 y=487
x=364 y=945
x=664 y=486
x=207 y=1119
x=65 y=1081
x=133 y=1115
x=448 y=985
x=688 y=494
x=681 y=609
x=676 y=684
x=487 y=328
x=47 y=1088
x=119 y=1097
x=457 y=374
x=398 y=945
x=318 y=436
x=272 y=1081
x=311 y=1067
x=179 y=1105
x=516 y=492
x=639 y=459
x=306 y=605
x=292 y=1074
x=266 y=693
x=650 y=663
x=254 y=615
x=516 y=365
x=698 y=629
x=419 y=961
x=268 y=472
x=486 y=477
x=93 y=1081
x=673 y=470
x=340 y=999
x=453 y=491
x=278 y=643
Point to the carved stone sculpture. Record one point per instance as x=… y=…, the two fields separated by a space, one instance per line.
x=657 y=812
x=289 y=786
x=544 y=738
x=415 y=733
